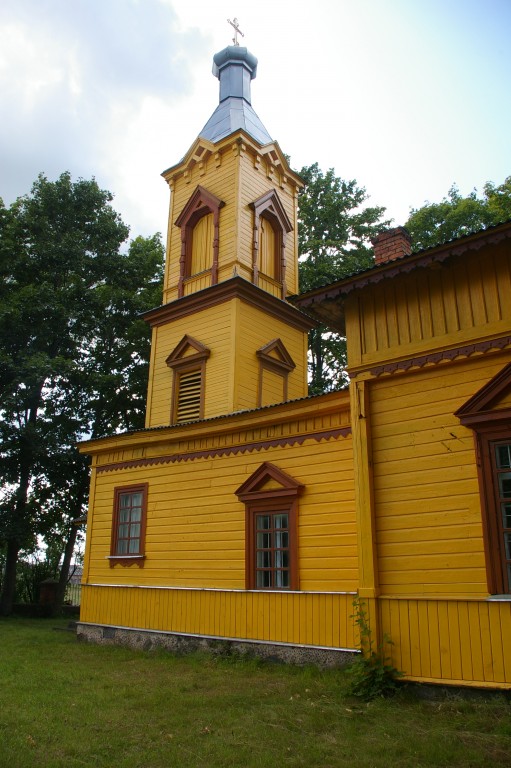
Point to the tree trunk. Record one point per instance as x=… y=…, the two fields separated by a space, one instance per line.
x=9 y=582
x=20 y=524
x=64 y=570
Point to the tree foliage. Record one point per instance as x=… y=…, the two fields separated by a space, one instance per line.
x=73 y=356
x=334 y=234
x=455 y=215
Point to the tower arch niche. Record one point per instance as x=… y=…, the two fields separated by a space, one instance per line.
x=199 y=223
x=271 y=227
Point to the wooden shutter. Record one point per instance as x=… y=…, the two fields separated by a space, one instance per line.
x=189 y=396
x=268 y=250
x=202 y=245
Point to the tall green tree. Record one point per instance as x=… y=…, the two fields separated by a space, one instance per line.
x=455 y=215
x=334 y=240
x=72 y=354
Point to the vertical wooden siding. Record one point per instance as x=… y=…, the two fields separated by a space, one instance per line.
x=453 y=641
x=431 y=308
x=298 y=618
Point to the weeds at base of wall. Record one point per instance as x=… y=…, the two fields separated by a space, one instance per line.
x=370 y=675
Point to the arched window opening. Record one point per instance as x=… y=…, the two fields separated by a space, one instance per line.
x=271 y=226
x=199 y=222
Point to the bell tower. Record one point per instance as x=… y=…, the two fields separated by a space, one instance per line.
x=225 y=338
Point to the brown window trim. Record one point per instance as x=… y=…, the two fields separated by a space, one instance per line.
x=269 y=206
x=180 y=363
x=490 y=425
x=283 y=367
x=201 y=203
x=278 y=500
x=137 y=557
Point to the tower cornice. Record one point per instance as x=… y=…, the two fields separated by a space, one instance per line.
x=235 y=288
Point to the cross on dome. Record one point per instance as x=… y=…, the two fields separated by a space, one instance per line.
x=237 y=31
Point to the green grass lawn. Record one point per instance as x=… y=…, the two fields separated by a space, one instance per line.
x=63 y=703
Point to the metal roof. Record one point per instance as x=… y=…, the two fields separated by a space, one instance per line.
x=235 y=67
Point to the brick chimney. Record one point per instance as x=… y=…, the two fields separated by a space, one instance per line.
x=391 y=244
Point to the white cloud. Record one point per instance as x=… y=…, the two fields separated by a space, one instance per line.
x=405 y=97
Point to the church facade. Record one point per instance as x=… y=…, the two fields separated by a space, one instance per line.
x=247 y=512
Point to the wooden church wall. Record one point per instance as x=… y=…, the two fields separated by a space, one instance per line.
x=297 y=618
x=257 y=328
x=238 y=174
x=434 y=595
x=252 y=186
x=421 y=344
x=195 y=539
x=428 y=516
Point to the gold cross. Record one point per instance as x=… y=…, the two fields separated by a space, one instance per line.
x=237 y=30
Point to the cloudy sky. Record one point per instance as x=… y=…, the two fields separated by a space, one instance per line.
x=405 y=96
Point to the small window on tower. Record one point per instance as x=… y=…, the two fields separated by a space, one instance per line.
x=271 y=227
x=189 y=385
x=199 y=223
x=275 y=366
x=188 y=362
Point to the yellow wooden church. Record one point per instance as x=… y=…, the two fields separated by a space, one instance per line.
x=247 y=512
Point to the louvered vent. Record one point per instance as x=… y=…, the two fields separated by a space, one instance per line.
x=189 y=397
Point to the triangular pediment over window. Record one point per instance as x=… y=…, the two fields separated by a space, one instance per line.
x=275 y=352
x=270 y=205
x=201 y=200
x=491 y=404
x=268 y=480
x=187 y=351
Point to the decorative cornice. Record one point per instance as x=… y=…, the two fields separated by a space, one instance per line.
x=260 y=445
x=404 y=265
x=480 y=347
x=234 y=288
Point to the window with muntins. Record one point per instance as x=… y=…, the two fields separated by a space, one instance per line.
x=501 y=461
x=129 y=520
x=271 y=528
x=272 y=557
x=488 y=414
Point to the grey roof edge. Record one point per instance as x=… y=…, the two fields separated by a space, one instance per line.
x=212 y=419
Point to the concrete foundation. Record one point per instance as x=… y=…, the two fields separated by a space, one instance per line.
x=148 y=640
